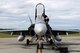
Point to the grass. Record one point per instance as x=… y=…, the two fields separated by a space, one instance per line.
x=5 y=35
x=75 y=34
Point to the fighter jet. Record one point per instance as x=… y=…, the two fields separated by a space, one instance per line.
x=40 y=31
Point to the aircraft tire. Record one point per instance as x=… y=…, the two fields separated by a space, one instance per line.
x=27 y=42
x=40 y=46
x=51 y=42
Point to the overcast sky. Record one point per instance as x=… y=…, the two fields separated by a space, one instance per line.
x=63 y=14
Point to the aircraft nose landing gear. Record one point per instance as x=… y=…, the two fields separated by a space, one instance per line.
x=39 y=48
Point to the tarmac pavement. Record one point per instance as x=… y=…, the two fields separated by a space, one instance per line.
x=11 y=45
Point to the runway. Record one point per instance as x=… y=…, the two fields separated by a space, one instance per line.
x=11 y=45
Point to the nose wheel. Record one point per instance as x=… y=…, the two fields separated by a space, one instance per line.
x=39 y=48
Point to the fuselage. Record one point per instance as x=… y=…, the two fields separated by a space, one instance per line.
x=40 y=25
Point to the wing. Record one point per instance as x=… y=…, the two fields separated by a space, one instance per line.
x=28 y=31
x=64 y=31
x=24 y=32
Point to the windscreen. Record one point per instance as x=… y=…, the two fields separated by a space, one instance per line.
x=40 y=9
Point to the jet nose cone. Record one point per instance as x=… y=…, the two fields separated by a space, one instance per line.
x=40 y=29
